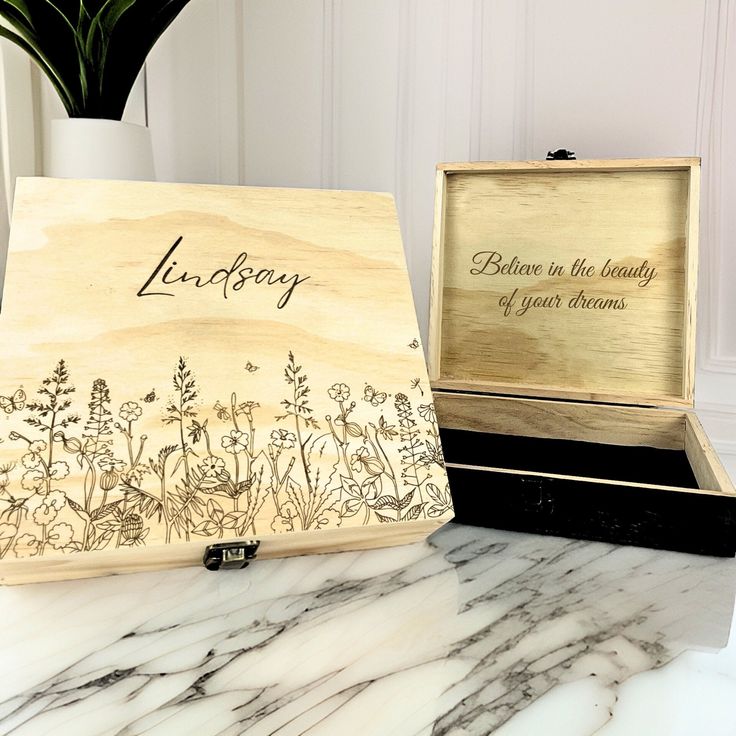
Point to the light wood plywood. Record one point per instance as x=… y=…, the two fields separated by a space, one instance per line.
x=186 y=363
x=571 y=279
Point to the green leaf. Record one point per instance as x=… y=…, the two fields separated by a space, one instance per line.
x=91 y=50
x=45 y=65
x=18 y=13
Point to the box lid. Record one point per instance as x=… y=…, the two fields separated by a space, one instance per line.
x=186 y=365
x=569 y=279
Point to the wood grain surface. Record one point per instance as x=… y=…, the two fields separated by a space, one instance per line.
x=188 y=363
x=573 y=279
x=628 y=426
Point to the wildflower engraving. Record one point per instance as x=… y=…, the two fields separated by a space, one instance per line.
x=210 y=471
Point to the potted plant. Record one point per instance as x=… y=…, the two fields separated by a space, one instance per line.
x=92 y=52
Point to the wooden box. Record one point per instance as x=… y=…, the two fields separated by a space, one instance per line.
x=562 y=349
x=193 y=372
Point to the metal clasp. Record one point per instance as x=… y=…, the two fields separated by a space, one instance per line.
x=230 y=555
x=561 y=154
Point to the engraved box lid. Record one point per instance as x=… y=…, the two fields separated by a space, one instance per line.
x=185 y=365
x=567 y=279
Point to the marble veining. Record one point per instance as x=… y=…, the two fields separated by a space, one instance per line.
x=474 y=632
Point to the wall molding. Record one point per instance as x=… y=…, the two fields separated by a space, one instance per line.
x=717 y=21
x=720 y=420
x=17 y=123
x=524 y=83
x=330 y=64
x=230 y=81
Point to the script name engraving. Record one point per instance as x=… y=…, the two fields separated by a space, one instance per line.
x=231 y=278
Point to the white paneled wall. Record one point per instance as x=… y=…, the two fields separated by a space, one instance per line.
x=370 y=94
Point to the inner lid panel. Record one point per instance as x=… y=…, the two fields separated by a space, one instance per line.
x=566 y=282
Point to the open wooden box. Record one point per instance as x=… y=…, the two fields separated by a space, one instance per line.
x=562 y=351
x=191 y=374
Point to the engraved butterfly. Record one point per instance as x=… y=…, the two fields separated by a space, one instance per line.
x=251 y=368
x=150 y=397
x=16 y=402
x=222 y=413
x=414 y=344
x=374 y=397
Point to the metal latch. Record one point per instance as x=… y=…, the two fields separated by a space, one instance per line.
x=561 y=154
x=230 y=555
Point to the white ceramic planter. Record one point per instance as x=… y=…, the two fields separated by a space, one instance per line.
x=86 y=148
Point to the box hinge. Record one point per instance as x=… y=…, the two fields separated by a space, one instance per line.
x=230 y=555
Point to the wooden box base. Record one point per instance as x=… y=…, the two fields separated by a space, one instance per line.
x=627 y=475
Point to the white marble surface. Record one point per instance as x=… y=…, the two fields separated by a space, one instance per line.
x=475 y=632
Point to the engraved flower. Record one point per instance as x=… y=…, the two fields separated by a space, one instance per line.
x=284 y=522
x=235 y=442
x=26 y=545
x=246 y=408
x=385 y=430
x=130 y=411
x=329 y=517
x=58 y=470
x=45 y=507
x=111 y=465
x=283 y=439
x=60 y=535
x=339 y=392
x=45 y=514
x=132 y=530
x=212 y=466
x=32 y=480
x=109 y=479
x=30 y=460
x=363 y=460
x=38 y=446
x=427 y=412
x=56 y=499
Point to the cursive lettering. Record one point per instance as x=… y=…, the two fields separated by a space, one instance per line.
x=232 y=278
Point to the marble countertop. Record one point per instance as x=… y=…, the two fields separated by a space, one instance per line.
x=474 y=632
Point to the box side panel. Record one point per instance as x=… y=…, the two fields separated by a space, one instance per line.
x=685 y=522
x=161 y=557
x=188 y=362
x=703 y=458
x=616 y=425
